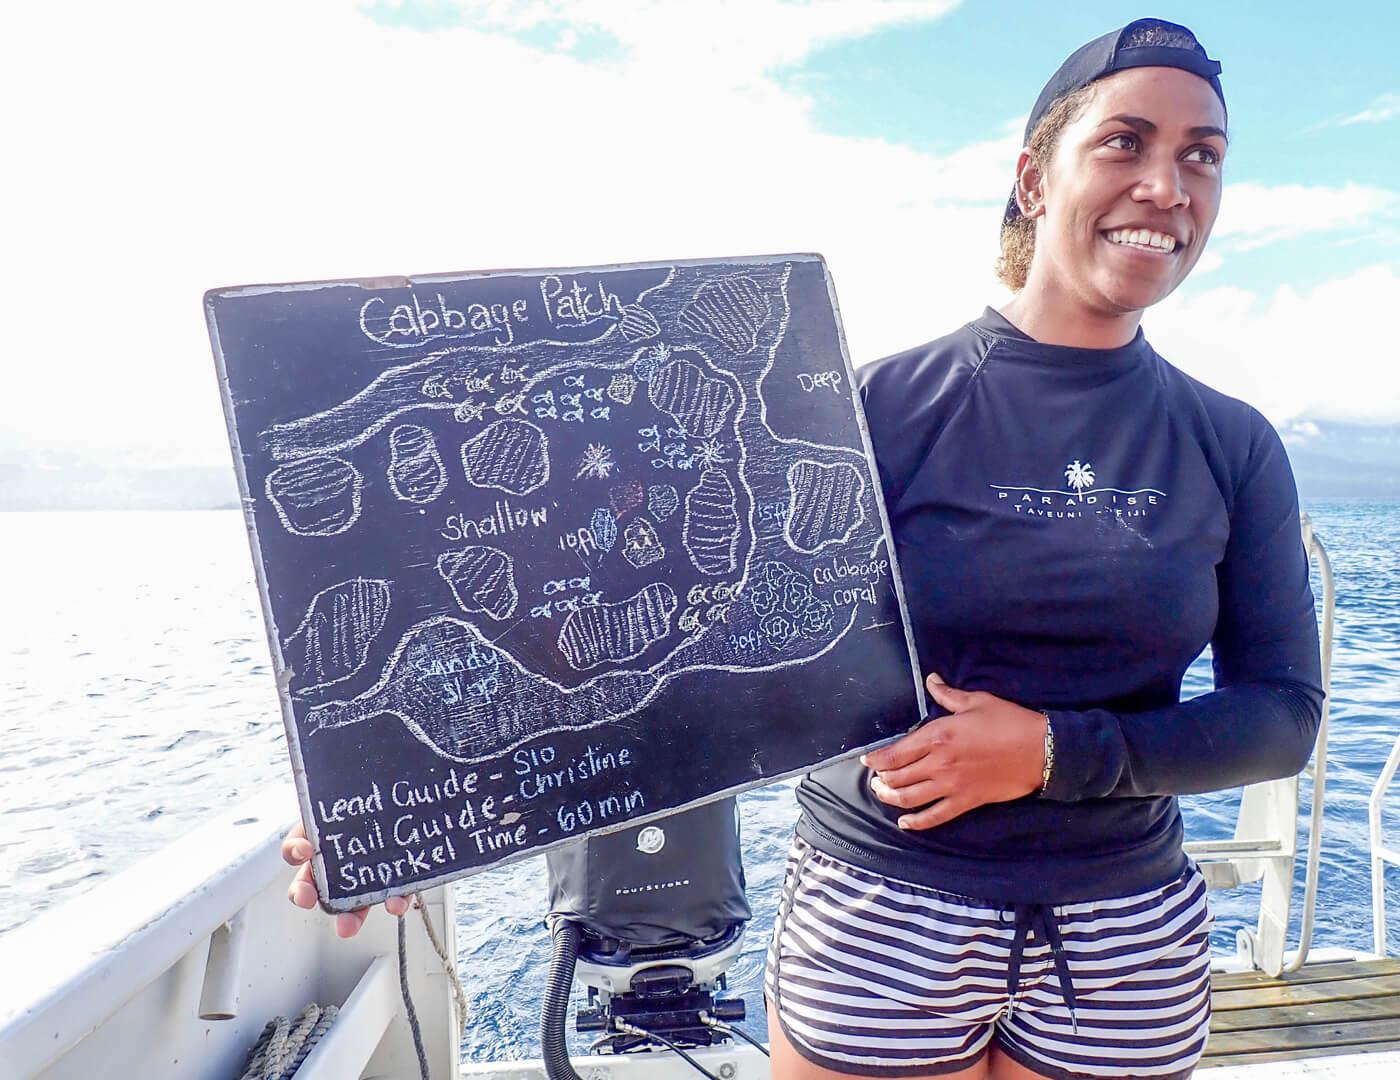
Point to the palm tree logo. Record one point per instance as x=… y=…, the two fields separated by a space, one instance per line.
x=1080 y=476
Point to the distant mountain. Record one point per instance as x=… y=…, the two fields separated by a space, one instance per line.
x=1343 y=461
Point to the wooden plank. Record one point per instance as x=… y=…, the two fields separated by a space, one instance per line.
x=1304 y=1037
x=1294 y=1055
x=1304 y=993
x=1322 y=1012
x=1344 y=969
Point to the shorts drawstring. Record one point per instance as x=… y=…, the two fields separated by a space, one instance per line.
x=1041 y=919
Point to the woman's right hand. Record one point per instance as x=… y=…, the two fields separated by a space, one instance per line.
x=296 y=851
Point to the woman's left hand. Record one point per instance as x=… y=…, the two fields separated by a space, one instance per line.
x=988 y=750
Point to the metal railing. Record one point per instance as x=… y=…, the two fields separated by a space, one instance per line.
x=1380 y=853
x=1265 y=841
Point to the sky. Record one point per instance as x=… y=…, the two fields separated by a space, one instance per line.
x=159 y=149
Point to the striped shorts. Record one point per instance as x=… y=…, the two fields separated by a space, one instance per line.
x=872 y=976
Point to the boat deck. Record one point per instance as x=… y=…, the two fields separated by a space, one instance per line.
x=1346 y=1008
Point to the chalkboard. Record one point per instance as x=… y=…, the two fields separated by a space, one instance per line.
x=546 y=553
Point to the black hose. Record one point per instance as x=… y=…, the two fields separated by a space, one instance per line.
x=556 y=1000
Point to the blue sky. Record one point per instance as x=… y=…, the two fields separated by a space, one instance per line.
x=347 y=138
x=1292 y=73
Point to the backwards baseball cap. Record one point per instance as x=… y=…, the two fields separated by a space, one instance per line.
x=1142 y=43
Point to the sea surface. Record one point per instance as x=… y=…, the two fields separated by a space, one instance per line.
x=136 y=698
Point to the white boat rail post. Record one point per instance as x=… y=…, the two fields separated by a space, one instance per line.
x=1264 y=845
x=1380 y=853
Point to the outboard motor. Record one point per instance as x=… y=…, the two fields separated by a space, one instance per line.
x=648 y=919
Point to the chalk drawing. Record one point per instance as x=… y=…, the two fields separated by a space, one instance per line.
x=621 y=387
x=640 y=544
x=732 y=310
x=626 y=497
x=317 y=496
x=697 y=402
x=596 y=463
x=512 y=455
x=333 y=640
x=711 y=531
x=662 y=501
x=482 y=579
x=416 y=471
x=618 y=632
x=637 y=323
x=604 y=528
x=786 y=606
x=824 y=504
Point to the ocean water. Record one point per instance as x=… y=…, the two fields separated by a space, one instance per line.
x=136 y=698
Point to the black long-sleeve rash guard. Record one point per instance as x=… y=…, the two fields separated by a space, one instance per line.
x=1073 y=526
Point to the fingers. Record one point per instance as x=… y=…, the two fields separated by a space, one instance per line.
x=302 y=890
x=939 y=813
x=348 y=923
x=955 y=701
x=296 y=848
x=397 y=905
x=904 y=751
x=912 y=795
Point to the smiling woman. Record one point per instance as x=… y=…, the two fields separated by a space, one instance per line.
x=1003 y=893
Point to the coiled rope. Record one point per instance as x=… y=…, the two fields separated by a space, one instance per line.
x=284 y=1045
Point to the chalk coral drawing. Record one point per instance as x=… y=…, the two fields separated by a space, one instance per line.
x=824 y=504
x=711 y=531
x=621 y=387
x=638 y=324
x=617 y=632
x=640 y=544
x=786 y=607
x=732 y=310
x=698 y=403
x=604 y=528
x=416 y=471
x=316 y=496
x=624 y=498
x=662 y=501
x=596 y=463
x=482 y=579
x=511 y=455
x=334 y=638
x=646 y=361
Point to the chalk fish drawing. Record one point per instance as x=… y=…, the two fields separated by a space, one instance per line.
x=698 y=403
x=662 y=501
x=416 y=471
x=604 y=528
x=511 y=455
x=824 y=504
x=482 y=579
x=640 y=544
x=711 y=531
x=616 y=632
x=334 y=638
x=732 y=310
x=316 y=496
x=638 y=323
x=785 y=605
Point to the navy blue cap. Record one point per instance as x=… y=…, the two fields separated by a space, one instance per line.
x=1142 y=43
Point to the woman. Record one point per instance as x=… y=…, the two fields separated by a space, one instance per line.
x=1003 y=893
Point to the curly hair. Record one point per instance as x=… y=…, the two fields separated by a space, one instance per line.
x=1017 y=230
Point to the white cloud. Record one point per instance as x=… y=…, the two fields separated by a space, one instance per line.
x=1253 y=214
x=1313 y=354
x=173 y=147
x=1384 y=107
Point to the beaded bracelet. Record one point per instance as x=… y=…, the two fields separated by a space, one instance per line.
x=1049 y=752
